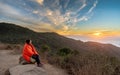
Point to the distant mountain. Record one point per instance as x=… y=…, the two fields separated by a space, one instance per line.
x=14 y=34
x=103 y=48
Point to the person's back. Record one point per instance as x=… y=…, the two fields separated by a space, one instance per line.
x=29 y=52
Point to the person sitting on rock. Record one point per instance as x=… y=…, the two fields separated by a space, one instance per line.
x=30 y=54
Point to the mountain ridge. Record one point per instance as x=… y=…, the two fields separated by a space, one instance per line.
x=73 y=56
x=14 y=34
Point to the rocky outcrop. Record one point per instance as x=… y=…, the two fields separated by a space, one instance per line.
x=22 y=61
x=29 y=69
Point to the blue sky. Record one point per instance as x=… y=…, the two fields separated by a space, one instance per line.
x=47 y=15
x=106 y=16
x=94 y=20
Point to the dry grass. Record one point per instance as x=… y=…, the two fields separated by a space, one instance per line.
x=86 y=64
x=16 y=47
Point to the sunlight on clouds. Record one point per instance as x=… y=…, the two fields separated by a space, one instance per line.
x=45 y=27
x=42 y=27
x=66 y=17
x=67 y=21
x=65 y=28
x=35 y=12
x=40 y=2
x=49 y=13
x=97 y=34
x=101 y=33
x=53 y=15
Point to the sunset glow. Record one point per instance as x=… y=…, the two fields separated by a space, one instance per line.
x=87 y=18
x=97 y=34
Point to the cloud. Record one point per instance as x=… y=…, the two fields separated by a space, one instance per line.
x=66 y=4
x=107 y=40
x=6 y=9
x=12 y=14
x=94 y=5
x=102 y=33
x=65 y=28
x=81 y=7
x=84 y=18
x=49 y=15
x=42 y=27
x=40 y=1
x=35 y=12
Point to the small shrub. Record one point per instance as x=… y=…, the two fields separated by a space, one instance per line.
x=64 y=52
x=45 y=48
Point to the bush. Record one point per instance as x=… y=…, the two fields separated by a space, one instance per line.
x=45 y=48
x=64 y=52
x=79 y=63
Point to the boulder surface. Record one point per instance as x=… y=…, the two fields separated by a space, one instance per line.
x=29 y=69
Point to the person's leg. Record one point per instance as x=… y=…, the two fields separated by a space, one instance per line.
x=36 y=57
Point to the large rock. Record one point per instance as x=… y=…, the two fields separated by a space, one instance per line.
x=28 y=69
x=22 y=61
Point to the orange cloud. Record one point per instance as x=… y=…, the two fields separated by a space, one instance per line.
x=40 y=2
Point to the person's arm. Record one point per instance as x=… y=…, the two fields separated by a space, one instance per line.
x=35 y=52
x=29 y=51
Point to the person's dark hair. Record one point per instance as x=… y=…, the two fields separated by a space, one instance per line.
x=28 y=41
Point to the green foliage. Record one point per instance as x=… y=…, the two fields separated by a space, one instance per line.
x=45 y=48
x=76 y=57
x=116 y=71
x=75 y=52
x=88 y=63
x=64 y=52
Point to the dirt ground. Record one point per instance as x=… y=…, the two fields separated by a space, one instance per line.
x=7 y=60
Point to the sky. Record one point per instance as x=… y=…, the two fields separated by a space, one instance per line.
x=86 y=20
